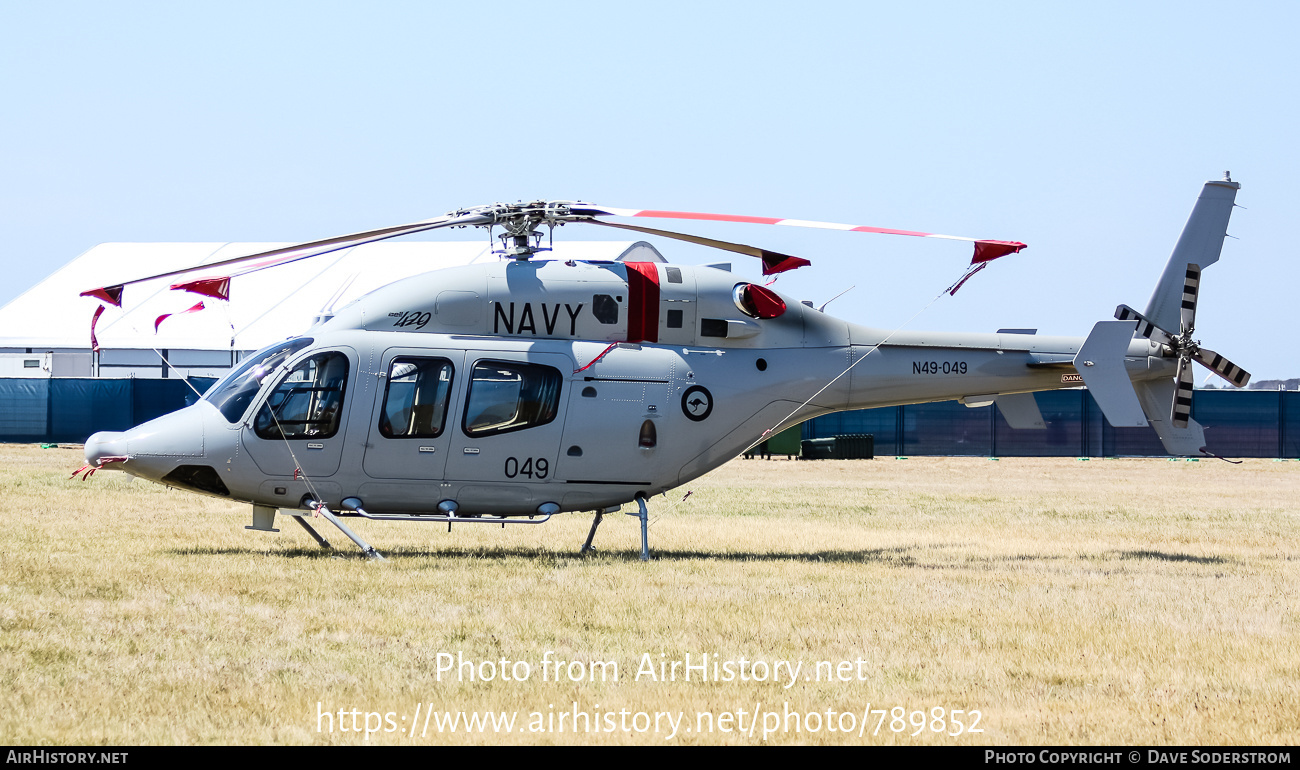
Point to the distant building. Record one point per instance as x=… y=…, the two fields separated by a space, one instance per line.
x=45 y=332
x=1291 y=384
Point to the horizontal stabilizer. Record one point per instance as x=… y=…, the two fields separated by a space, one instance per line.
x=1100 y=362
x=1021 y=411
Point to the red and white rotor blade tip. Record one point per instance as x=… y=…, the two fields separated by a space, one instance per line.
x=773 y=261
x=218 y=285
x=985 y=250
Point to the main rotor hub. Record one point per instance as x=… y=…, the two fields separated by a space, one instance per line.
x=520 y=221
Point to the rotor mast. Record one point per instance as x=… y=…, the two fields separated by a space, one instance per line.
x=522 y=238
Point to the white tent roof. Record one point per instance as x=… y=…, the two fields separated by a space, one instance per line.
x=264 y=306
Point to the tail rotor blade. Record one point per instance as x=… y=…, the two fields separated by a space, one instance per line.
x=1182 y=408
x=1223 y=367
x=1144 y=327
x=1191 y=285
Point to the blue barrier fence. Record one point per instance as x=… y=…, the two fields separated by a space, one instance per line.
x=70 y=409
x=1248 y=423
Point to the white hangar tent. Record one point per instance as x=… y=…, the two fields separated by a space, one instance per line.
x=45 y=332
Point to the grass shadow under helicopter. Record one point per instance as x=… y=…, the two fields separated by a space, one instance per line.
x=909 y=557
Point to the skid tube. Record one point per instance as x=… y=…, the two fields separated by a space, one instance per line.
x=544 y=515
x=323 y=510
x=441 y=518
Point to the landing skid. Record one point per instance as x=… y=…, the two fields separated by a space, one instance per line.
x=643 y=514
x=587 y=547
x=370 y=552
x=264 y=518
x=315 y=535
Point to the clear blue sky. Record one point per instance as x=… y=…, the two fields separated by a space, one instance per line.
x=1085 y=130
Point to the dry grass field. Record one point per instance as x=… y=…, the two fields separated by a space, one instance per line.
x=1068 y=602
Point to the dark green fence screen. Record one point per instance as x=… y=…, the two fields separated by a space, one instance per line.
x=1249 y=423
x=70 y=409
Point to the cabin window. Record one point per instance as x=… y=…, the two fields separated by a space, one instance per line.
x=605 y=308
x=713 y=327
x=415 y=398
x=308 y=403
x=236 y=390
x=510 y=396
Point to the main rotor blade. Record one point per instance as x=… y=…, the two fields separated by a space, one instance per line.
x=262 y=260
x=1144 y=327
x=985 y=250
x=1223 y=367
x=1182 y=407
x=773 y=262
x=1191 y=285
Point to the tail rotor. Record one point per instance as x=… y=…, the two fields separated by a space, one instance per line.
x=1185 y=348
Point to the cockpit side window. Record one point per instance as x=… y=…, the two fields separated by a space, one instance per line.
x=308 y=403
x=236 y=390
x=510 y=396
x=415 y=398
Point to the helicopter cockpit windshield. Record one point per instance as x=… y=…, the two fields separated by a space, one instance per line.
x=308 y=403
x=236 y=390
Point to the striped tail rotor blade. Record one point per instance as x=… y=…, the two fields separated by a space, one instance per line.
x=1223 y=367
x=1182 y=408
x=1191 y=286
x=1144 y=327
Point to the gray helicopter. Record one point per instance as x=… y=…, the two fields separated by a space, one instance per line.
x=510 y=392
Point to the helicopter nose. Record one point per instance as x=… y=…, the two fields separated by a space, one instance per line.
x=106 y=443
x=150 y=450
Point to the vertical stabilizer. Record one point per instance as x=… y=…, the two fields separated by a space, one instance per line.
x=1200 y=244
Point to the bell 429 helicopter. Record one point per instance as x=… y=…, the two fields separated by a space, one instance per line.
x=514 y=391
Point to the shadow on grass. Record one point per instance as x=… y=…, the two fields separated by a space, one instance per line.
x=1186 y=557
x=292 y=553
x=899 y=555
x=912 y=557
